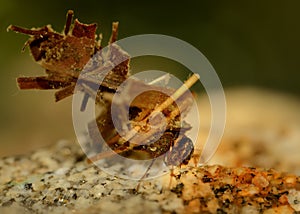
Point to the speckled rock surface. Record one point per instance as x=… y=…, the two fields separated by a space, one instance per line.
x=58 y=180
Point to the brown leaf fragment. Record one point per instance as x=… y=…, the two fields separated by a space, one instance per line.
x=65 y=92
x=40 y=83
x=65 y=56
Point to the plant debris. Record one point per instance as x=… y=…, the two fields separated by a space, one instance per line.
x=156 y=128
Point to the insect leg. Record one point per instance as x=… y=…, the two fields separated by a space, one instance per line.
x=172 y=175
x=145 y=174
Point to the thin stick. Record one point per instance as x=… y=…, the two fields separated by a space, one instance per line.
x=68 y=21
x=106 y=154
x=164 y=78
x=114 y=33
x=65 y=92
x=84 y=102
x=178 y=93
x=41 y=82
x=23 y=30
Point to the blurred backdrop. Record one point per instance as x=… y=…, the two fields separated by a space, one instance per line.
x=249 y=43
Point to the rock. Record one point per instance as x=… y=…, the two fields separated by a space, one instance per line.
x=58 y=179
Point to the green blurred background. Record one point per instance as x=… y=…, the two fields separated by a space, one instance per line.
x=249 y=43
